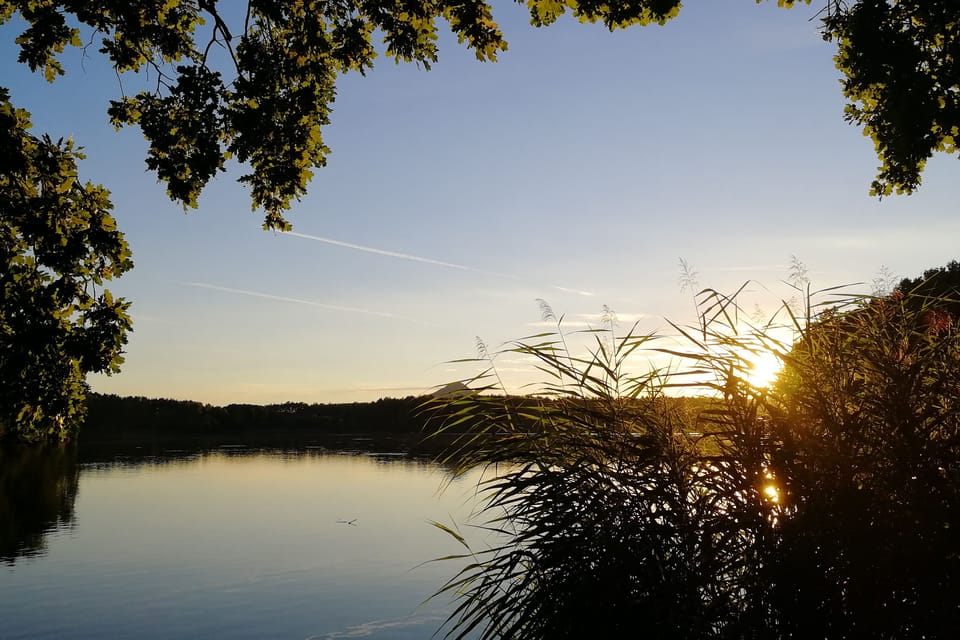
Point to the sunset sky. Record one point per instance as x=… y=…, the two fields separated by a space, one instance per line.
x=578 y=169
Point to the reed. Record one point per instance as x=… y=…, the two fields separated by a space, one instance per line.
x=824 y=505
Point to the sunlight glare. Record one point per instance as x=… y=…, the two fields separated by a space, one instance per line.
x=764 y=367
x=772 y=493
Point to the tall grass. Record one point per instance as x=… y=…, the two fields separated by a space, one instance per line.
x=825 y=506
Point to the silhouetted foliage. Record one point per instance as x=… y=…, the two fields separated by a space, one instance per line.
x=138 y=417
x=256 y=80
x=823 y=507
x=868 y=413
x=58 y=246
x=901 y=76
x=937 y=289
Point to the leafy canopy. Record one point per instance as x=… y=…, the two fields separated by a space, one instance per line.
x=58 y=245
x=258 y=85
x=901 y=76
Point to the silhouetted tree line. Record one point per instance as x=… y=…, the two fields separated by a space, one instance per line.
x=112 y=415
x=411 y=424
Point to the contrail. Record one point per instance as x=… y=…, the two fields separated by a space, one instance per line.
x=394 y=254
x=321 y=305
x=414 y=258
x=569 y=290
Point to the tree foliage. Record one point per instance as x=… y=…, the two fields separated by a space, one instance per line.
x=822 y=507
x=58 y=246
x=256 y=81
x=937 y=289
x=901 y=76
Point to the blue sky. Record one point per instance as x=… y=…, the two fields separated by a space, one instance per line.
x=583 y=162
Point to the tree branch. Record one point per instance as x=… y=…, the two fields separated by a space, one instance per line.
x=221 y=26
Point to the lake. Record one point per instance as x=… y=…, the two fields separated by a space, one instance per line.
x=227 y=543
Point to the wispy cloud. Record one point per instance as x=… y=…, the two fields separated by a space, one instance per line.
x=415 y=258
x=920 y=237
x=591 y=320
x=749 y=268
x=414 y=391
x=311 y=303
x=569 y=290
x=620 y=317
x=567 y=324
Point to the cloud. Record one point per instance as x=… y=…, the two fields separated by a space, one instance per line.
x=567 y=324
x=620 y=317
x=569 y=290
x=590 y=320
x=919 y=238
x=311 y=303
x=413 y=391
x=750 y=268
x=421 y=259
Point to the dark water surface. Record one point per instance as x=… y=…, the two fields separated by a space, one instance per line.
x=231 y=543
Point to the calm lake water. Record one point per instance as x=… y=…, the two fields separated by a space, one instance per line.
x=230 y=543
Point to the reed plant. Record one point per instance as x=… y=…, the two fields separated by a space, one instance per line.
x=822 y=506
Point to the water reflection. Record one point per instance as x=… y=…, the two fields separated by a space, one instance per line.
x=38 y=489
x=227 y=543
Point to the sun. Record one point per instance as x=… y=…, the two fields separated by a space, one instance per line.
x=762 y=369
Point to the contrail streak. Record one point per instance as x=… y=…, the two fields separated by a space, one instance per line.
x=415 y=258
x=394 y=254
x=321 y=305
x=569 y=290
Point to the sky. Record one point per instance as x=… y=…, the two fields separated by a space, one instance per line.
x=578 y=169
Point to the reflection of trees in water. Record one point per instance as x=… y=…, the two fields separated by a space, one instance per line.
x=38 y=488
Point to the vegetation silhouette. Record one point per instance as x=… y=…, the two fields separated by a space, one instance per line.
x=256 y=80
x=59 y=245
x=823 y=506
x=117 y=426
x=117 y=415
x=938 y=289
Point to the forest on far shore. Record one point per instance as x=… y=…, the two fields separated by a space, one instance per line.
x=140 y=420
x=112 y=417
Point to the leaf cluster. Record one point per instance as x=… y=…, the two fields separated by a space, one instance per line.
x=267 y=105
x=256 y=81
x=901 y=75
x=59 y=244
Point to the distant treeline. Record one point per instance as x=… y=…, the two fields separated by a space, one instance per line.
x=407 y=422
x=126 y=416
